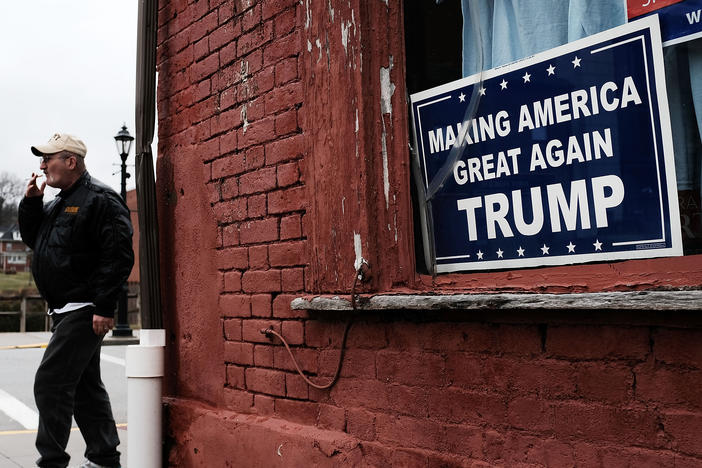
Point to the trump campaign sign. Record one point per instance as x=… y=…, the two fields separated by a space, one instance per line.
x=680 y=20
x=566 y=158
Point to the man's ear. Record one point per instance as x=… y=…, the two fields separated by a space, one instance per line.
x=72 y=162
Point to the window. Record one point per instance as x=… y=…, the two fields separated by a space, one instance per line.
x=448 y=39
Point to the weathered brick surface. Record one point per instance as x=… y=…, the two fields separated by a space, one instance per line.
x=231 y=329
x=264 y=230
x=361 y=424
x=282 y=309
x=232 y=281
x=292 y=279
x=293 y=332
x=288 y=254
x=270 y=382
x=239 y=353
x=257 y=281
x=332 y=417
x=284 y=149
x=290 y=227
x=307 y=359
x=263 y=355
x=264 y=404
x=584 y=342
x=296 y=387
x=256 y=206
x=261 y=305
x=303 y=412
x=416 y=389
x=258 y=257
x=235 y=305
x=287 y=200
x=234 y=257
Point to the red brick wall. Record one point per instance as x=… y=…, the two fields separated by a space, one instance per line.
x=257 y=149
x=540 y=391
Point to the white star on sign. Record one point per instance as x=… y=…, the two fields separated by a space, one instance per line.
x=499 y=253
x=503 y=85
x=482 y=91
x=480 y=255
x=520 y=251
x=576 y=62
x=597 y=244
x=544 y=250
x=526 y=77
x=462 y=97
x=551 y=69
x=571 y=247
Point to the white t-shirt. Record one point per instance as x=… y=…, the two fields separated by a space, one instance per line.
x=71 y=306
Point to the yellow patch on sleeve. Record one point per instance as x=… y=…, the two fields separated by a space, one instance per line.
x=72 y=209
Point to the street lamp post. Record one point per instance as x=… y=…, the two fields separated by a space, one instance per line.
x=124 y=143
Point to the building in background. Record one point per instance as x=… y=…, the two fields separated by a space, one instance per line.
x=15 y=256
x=286 y=203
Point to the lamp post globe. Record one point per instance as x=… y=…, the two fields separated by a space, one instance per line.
x=123 y=140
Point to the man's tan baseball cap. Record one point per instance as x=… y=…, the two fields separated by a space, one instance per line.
x=61 y=142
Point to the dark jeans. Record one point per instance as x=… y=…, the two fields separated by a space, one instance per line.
x=68 y=384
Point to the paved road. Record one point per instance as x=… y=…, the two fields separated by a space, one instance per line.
x=18 y=413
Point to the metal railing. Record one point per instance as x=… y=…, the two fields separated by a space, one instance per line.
x=24 y=300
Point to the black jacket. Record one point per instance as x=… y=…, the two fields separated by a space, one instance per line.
x=82 y=242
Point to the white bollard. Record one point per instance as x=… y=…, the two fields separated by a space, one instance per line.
x=144 y=383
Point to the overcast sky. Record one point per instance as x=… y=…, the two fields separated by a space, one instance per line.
x=67 y=66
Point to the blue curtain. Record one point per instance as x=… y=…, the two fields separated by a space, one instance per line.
x=508 y=30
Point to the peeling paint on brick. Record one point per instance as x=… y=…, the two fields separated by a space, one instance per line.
x=308 y=18
x=387 y=88
x=358 y=249
x=345 y=35
x=244 y=71
x=319 y=46
x=243 y=118
x=386 y=177
x=331 y=11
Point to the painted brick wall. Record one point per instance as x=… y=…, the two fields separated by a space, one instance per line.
x=417 y=389
x=451 y=392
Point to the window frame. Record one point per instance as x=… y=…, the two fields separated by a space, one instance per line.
x=627 y=274
x=363 y=222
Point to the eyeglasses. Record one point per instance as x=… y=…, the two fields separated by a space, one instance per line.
x=45 y=159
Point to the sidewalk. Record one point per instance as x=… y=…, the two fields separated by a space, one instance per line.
x=17 y=446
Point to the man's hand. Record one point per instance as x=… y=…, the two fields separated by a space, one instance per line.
x=101 y=325
x=32 y=189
